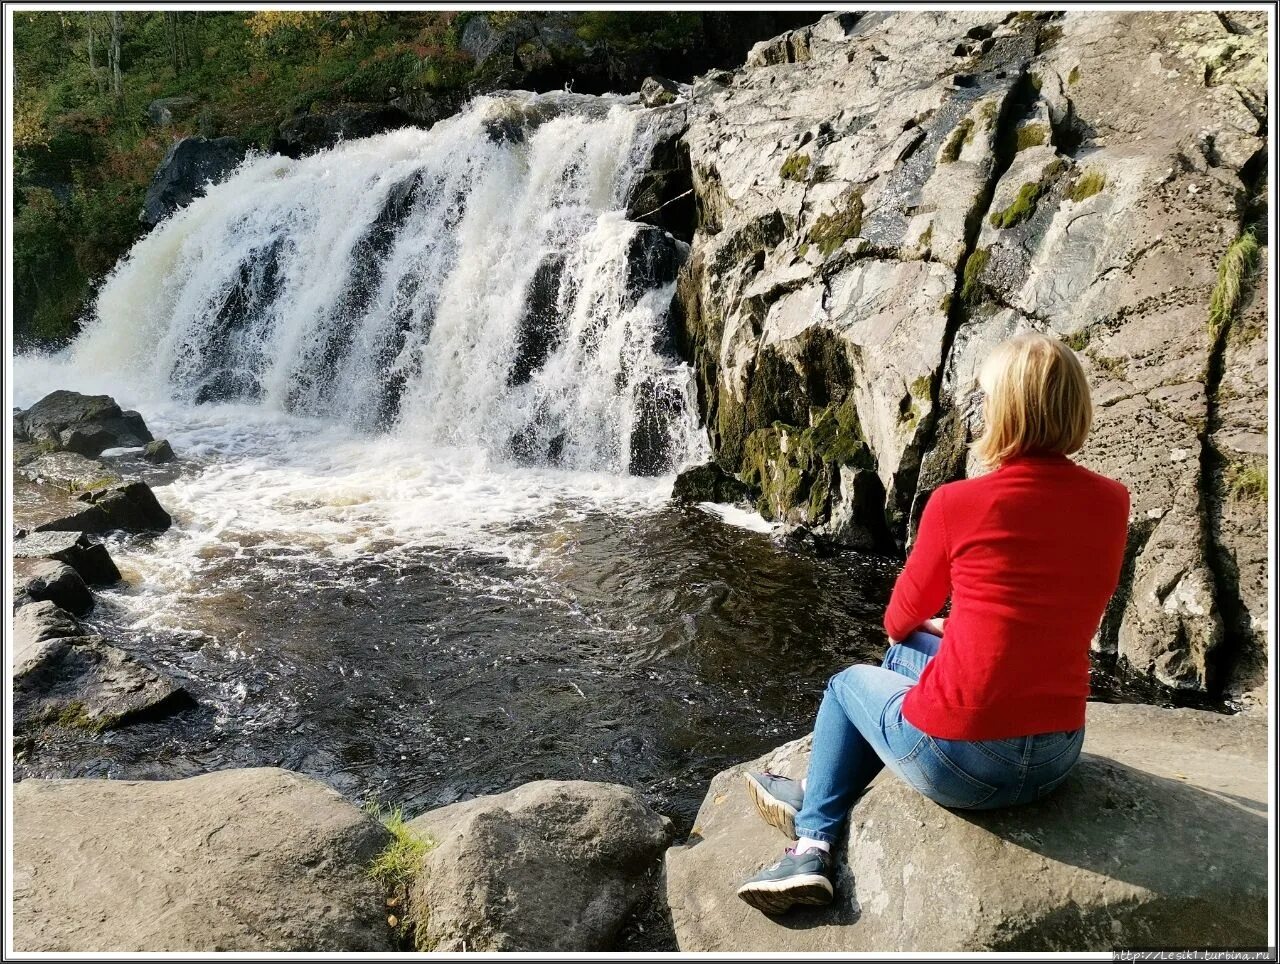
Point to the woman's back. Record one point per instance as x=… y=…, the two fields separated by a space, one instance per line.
x=1030 y=555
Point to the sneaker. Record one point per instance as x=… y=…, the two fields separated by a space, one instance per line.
x=803 y=878
x=778 y=799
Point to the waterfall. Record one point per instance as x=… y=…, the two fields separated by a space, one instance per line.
x=475 y=285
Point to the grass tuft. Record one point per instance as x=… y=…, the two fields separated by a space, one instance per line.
x=1247 y=482
x=1234 y=270
x=399 y=862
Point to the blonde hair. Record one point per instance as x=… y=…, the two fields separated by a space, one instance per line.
x=1037 y=399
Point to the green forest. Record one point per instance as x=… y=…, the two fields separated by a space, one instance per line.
x=85 y=147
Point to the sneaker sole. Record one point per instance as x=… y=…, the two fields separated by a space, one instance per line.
x=779 y=896
x=779 y=815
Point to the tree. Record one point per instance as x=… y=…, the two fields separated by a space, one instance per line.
x=117 y=82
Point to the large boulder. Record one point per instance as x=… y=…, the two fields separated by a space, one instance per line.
x=38 y=622
x=90 y=559
x=254 y=860
x=191 y=165
x=83 y=424
x=83 y=682
x=709 y=483
x=163 y=111
x=549 y=866
x=55 y=582
x=1157 y=838
x=883 y=197
x=129 y=506
x=307 y=133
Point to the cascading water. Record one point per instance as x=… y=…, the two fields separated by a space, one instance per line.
x=426 y=411
x=472 y=285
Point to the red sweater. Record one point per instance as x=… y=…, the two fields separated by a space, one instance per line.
x=1030 y=554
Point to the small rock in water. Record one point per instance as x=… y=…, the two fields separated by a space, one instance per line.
x=158 y=452
x=709 y=483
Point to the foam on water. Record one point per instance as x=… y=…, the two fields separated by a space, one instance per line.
x=423 y=339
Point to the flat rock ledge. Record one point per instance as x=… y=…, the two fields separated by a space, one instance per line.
x=239 y=860
x=1158 y=838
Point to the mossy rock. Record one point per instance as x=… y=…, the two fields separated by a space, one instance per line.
x=795 y=168
x=961 y=135
x=1024 y=205
x=972 y=289
x=795 y=469
x=1032 y=135
x=833 y=229
x=1087 y=185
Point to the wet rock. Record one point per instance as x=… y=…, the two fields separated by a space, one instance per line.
x=654 y=258
x=130 y=506
x=549 y=866
x=659 y=406
x=83 y=424
x=90 y=559
x=83 y=682
x=541 y=322
x=48 y=579
x=1157 y=838
x=38 y=622
x=163 y=111
x=70 y=472
x=658 y=92
x=158 y=452
x=239 y=860
x=190 y=166
x=663 y=193
x=308 y=132
x=710 y=483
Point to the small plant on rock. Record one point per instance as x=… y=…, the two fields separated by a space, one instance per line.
x=1247 y=482
x=1234 y=270
x=397 y=864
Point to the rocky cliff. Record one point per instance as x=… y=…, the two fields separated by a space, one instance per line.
x=880 y=198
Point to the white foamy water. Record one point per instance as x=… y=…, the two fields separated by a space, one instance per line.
x=425 y=338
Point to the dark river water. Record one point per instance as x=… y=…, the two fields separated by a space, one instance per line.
x=412 y=633
x=663 y=648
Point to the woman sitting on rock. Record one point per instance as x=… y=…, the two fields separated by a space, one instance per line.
x=989 y=710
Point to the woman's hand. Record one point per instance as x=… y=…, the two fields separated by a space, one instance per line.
x=933 y=626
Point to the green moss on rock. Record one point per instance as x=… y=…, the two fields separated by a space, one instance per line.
x=796 y=469
x=832 y=230
x=1074 y=76
x=1032 y=135
x=971 y=289
x=1087 y=185
x=1024 y=205
x=795 y=168
x=961 y=135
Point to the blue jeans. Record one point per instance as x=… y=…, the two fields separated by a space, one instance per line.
x=860 y=729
